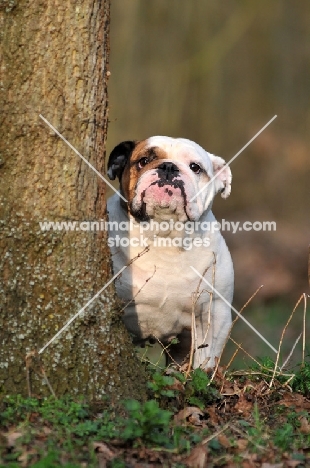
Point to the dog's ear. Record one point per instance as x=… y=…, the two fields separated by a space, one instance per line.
x=222 y=175
x=118 y=159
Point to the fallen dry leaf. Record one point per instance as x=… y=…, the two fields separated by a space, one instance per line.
x=293 y=463
x=197 y=457
x=242 y=444
x=105 y=454
x=25 y=456
x=272 y=465
x=103 y=448
x=304 y=425
x=243 y=405
x=213 y=415
x=223 y=440
x=177 y=385
x=230 y=388
x=250 y=460
x=12 y=437
x=189 y=414
x=296 y=400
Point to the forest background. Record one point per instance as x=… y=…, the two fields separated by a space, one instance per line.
x=216 y=73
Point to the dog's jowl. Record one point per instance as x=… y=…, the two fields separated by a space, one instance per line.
x=166 y=227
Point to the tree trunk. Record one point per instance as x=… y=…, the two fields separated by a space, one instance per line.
x=55 y=63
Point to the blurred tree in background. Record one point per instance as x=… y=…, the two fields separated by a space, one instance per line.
x=216 y=72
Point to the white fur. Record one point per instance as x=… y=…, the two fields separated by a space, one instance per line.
x=161 y=283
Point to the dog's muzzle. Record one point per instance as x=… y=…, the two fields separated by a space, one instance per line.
x=164 y=189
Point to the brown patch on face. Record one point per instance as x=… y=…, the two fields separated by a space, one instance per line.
x=132 y=172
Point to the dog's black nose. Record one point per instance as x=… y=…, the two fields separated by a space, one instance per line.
x=168 y=170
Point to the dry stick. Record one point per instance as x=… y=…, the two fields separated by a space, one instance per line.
x=239 y=373
x=245 y=352
x=288 y=381
x=47 y=381
x=291 y=353
x=28 y=358
x=281 y=340
x=132 y=300
x=291 y=376
x=304 y=324
x=165 y=350
x=309 y=266
x=240 y=312
x=211 y=296
x=212 y=436
x=232 y=358
x=228 y=336
x=193 y=340
x=195 y=298
x=244 y=434
x=205 y=362
x=193 y=330
x=247 y=302
x=28 y=363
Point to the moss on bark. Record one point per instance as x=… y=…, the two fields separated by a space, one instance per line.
x=56 y=64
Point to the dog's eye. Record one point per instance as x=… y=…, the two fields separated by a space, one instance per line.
x=142 y=162
x=195 y=168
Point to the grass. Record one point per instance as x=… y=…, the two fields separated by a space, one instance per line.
x=235 y=419
x=253 y=417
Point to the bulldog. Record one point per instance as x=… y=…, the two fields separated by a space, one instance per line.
x=163 y=228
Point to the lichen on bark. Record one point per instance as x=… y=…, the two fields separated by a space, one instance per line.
x=55 y=63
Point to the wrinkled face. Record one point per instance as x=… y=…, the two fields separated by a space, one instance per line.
x=162 y=176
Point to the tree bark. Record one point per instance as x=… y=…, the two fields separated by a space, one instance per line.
x=55 y=63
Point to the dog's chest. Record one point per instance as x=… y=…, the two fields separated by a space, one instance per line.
x=160 y=278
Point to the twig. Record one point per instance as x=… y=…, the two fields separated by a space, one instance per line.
x=28 y=358
x=195 y=298
x=245 y=352
x=47 y=382
x=238 y=316
x=144 y=251
x=243 y=372
x=281 y=340
x=304 y=323
x=232 y=359
x=244 y=434
x=212 y=436
x=309 y=265
x=231 y=327
x=249 y=300
x=165 y=350
x=193 y=339
x=211 y=296
x=291 y=353
x=132 y=300
x=288 y=381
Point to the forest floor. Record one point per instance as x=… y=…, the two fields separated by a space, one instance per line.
x=250 y=413
x=252 y=418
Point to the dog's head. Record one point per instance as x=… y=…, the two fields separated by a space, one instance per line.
x=163 y=174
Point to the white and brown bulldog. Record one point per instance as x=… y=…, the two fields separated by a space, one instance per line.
x=160 y=177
